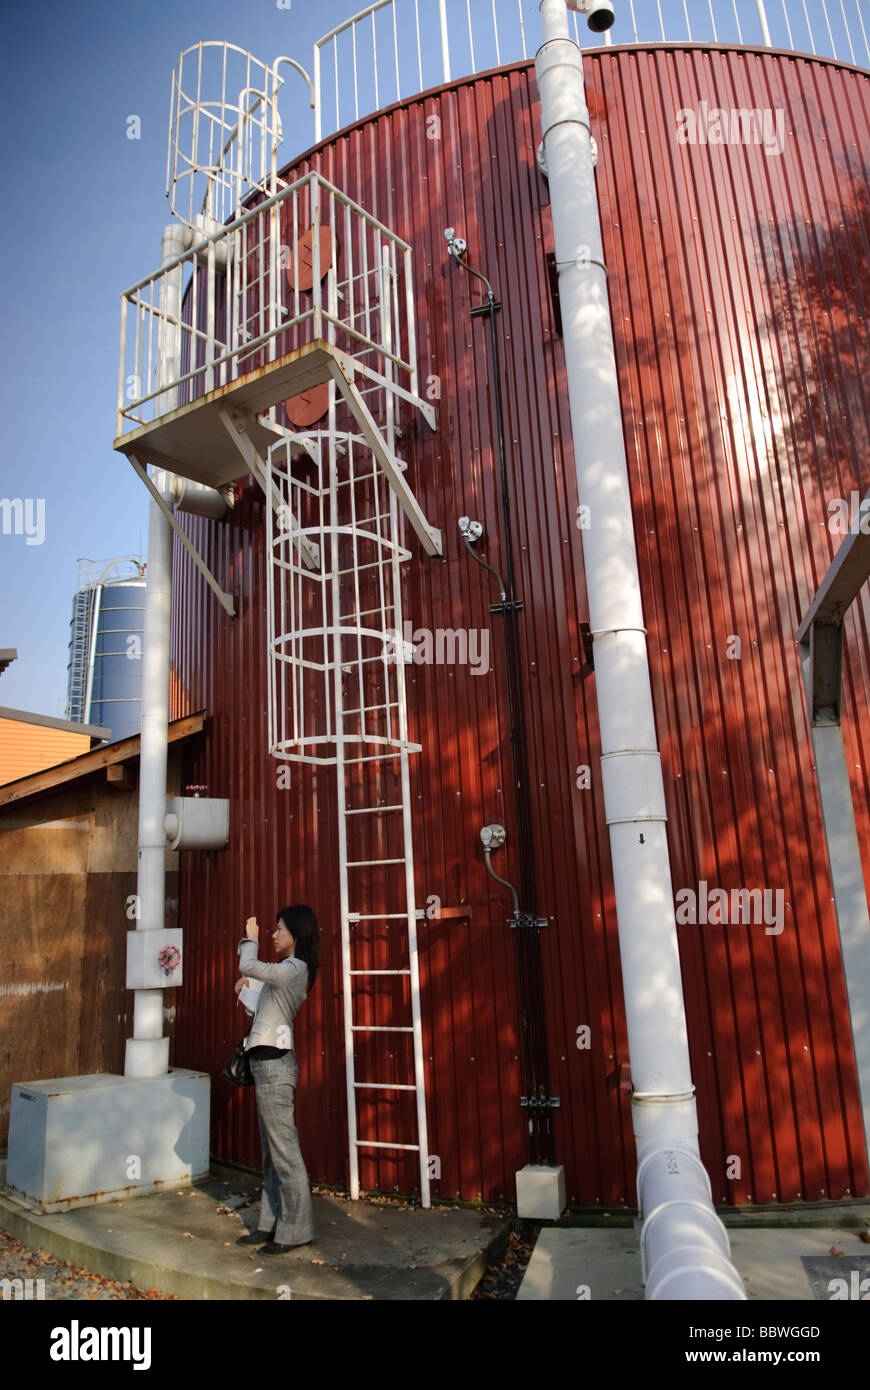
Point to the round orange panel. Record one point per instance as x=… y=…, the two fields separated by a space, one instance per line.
x=308 y=407
x=303 y=255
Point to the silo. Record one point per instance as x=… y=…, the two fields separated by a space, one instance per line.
x=737 y=278
x=106 y=637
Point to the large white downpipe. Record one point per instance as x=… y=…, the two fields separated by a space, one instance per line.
x=685 y=1246
x=147 y=1052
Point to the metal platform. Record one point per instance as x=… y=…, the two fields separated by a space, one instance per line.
x=193 y=441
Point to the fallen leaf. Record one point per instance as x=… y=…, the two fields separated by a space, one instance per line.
x=834 y=1251
x=187 y=1235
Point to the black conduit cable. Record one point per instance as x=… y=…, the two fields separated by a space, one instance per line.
x=533 y=1019
x=529 y=938
x=528 y=1028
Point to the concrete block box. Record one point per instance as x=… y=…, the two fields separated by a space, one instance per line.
x=540 y=1192
x=78 y=1140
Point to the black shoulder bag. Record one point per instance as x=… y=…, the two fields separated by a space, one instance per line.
x=238 y=1068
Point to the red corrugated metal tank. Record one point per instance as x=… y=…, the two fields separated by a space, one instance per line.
x=740 y=288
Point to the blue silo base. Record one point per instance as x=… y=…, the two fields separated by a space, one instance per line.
x=76 y=1141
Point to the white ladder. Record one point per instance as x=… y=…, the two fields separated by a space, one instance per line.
x=379 y=947
x=338 y=698
x=380 y=969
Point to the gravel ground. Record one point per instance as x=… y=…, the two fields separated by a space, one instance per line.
x=62 y=1281
x=502 y=1279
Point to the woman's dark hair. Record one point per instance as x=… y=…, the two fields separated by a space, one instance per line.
x=301 y=923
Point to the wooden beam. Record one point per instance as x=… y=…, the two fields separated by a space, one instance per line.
x=119 y=776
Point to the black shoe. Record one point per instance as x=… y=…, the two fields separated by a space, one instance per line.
x=274 y=1248
x=255 y=1237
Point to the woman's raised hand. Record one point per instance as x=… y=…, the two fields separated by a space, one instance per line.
x=251 y=929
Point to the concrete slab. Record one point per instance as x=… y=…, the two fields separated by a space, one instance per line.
x=184 y=1243
x=584 y=1263
x=604 y=1264
x=771 y=1261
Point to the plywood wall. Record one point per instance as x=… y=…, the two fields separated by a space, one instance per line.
x=67 y=870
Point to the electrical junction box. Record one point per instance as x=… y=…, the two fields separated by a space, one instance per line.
x=540 y=1192
x=144 y=967
x=77 y=1141
x=197 y=822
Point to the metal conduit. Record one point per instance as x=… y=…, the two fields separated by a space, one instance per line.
x=527 y=924
x=686 y=1249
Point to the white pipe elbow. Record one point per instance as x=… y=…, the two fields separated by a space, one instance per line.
x=685 y=1250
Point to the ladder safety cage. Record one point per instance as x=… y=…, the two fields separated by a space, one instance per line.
x=224 y=133
x=337 y=697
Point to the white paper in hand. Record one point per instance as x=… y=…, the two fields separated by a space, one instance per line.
x=249 y=995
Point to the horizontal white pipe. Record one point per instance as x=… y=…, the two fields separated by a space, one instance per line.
x=686 y=1249
x=199 y=500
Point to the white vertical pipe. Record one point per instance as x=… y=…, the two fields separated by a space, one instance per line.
x=151 y=876
x=445 y=40
x=663 y=1103
x=765 y=30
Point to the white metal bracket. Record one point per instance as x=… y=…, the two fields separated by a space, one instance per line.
x=430 y=538
x=236 y=424
x=225 y=600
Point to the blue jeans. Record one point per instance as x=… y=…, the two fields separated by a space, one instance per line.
x=286 y=1203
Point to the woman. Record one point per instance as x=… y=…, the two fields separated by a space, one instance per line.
x=286 y=1212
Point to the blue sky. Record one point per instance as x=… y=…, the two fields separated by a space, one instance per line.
x=84 y=214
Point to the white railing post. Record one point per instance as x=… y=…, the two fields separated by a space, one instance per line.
x=122 y=367
x=765 y=30
x=318 y=113
x=210 y=319
x=445 y=40
x=314 y=200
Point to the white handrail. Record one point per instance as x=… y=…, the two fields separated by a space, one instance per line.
x=394 y=49
x=245 y=303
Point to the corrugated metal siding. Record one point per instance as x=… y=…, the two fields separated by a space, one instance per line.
x=740 y=291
